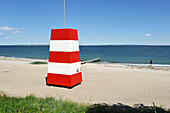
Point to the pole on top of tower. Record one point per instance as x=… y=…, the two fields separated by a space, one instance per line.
x=64 y=13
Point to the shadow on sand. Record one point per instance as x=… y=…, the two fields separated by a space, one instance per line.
x=120 y=108
x=59 y=85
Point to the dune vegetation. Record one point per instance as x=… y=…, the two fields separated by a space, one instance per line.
x=39 y=62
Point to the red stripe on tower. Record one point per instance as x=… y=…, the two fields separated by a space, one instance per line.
x=64 y=58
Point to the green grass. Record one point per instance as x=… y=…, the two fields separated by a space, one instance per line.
x=32 y=104
x=38 y=62
x=154 y=107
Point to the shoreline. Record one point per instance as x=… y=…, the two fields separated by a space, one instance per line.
x=165 y=67
x=22 y=59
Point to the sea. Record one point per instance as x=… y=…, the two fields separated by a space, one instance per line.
x=124 y=54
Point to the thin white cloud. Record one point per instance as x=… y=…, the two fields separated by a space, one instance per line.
x=1 y=34
x=148 y=34
x=8 y=28
x=15 y=32
x=20 y=36
x=7 y=37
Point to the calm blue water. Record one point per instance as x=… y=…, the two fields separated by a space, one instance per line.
x=116 y=54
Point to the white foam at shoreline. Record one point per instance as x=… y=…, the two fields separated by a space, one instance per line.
x=22 y=59
x=153 y=65
x=140 y=65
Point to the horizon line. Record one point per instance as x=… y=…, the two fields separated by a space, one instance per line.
x=89 y=44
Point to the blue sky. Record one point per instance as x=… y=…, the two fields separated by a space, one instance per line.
x=97 y=21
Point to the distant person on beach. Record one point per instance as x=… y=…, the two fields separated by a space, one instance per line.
x=151 y=63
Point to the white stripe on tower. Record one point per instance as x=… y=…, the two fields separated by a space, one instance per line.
x=64 y=45
x=64 y=68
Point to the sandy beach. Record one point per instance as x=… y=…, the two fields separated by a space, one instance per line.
x=102 y=83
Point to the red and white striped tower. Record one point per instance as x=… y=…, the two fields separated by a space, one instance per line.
x=64 y=58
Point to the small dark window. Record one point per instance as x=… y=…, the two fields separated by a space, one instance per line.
x=77 y=69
